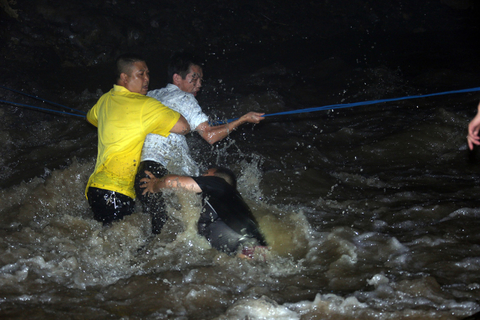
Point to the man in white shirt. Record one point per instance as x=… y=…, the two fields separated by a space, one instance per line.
x=163 y=155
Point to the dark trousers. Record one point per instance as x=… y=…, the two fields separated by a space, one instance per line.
x=221 y=236
x=152 y=204
x=108 y=206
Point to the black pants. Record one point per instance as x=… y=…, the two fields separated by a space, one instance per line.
x=219 y=234
x=108 y=206
x=152 y=204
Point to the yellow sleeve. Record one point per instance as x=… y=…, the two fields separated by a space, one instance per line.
x=160 y=119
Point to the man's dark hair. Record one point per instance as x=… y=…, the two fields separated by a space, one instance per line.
x=180 y=64
x=227 y=175
x=124 y=63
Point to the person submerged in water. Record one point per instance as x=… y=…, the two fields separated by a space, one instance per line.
x=226 y=220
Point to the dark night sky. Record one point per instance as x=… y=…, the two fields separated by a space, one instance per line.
x=82 y=37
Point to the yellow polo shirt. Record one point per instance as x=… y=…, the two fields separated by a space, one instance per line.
x=124 y=119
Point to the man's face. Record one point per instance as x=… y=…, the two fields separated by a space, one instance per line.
x=209 y=172
x=192 y=82
x=138 y=79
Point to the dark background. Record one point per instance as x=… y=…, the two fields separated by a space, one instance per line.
x=69 y=42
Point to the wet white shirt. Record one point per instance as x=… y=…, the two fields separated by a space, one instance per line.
x=172 y=151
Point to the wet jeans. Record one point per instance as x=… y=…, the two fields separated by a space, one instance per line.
x=108 y=206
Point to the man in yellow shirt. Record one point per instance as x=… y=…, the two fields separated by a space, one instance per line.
x=124 y=116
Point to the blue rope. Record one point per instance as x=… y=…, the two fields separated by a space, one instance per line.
x=43 y=100
x=43 y=109
x=355 y=104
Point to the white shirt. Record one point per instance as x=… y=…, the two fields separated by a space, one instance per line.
x=172 y=151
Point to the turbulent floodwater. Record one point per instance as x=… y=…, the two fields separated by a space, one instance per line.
x=371 y=212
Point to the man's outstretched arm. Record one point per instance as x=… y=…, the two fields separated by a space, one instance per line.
x=153 y=184
x=217 y=133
